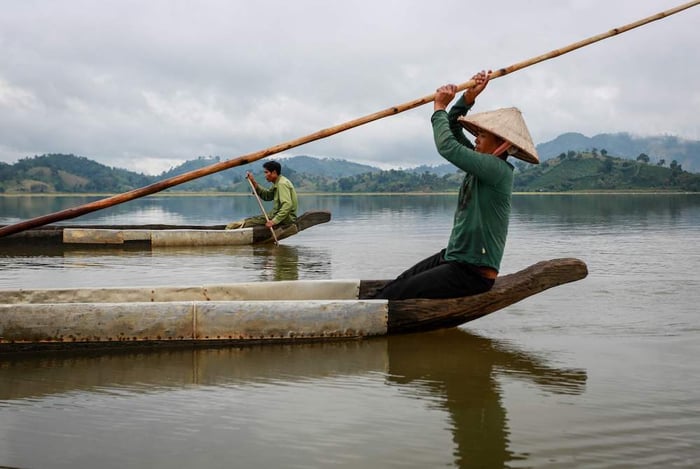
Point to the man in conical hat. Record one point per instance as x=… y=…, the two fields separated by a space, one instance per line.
x=470 y=263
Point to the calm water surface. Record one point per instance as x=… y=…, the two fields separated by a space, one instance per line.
x=599 y=373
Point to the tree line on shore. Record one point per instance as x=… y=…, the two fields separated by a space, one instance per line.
x=569 y=171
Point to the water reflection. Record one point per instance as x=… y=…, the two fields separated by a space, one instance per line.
x=458 y=370
x=216 y=209
x=17 y=208
x=607 y=209
x=582 y=209
x=281 y=262
x=35 y=265
x=153 y=209
x=462 y=369
x=389 y=401
x=31 y=377
x=264 y=262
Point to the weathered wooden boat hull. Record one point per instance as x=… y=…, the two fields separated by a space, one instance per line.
x=247 y=313
x=160 y=235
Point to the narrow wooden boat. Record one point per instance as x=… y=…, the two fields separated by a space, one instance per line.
x=248 y=313
x=160 y=235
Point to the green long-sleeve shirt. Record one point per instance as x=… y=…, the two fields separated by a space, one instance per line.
x=284 y=209
x=480 y=223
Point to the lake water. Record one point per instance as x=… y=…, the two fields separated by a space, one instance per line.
x=599 y=373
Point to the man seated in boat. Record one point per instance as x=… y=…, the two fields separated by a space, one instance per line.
x=470 y=263
x=284 y=209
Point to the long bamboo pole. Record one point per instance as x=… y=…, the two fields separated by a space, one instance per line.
x=251 y=157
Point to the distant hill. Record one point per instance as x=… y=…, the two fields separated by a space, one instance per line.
x=327 y=167
x=221 y=181
x=317 y=173
x=67 y=173
x=439 y=170
x=590 y=171
x=667 y=148
x=593 y=169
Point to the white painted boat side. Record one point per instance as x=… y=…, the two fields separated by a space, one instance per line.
x=196 y=320
x=164 y=238
x=159 y=238
x=253 y=291
x=289 y=319
x=89 y=236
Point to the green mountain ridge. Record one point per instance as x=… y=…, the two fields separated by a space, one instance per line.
x=592 y=171
x=571 y=169
x=66 y=173
x=663 y=147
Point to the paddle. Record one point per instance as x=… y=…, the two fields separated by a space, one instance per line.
x=250 y=157
x=262 y=209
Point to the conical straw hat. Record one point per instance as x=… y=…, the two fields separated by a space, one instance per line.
x=507 y=124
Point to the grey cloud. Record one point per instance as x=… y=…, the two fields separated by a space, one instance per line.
x=136 y=83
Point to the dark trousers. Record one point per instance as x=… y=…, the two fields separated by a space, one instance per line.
x=435 y=277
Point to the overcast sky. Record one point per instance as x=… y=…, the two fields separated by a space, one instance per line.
x=147 y=85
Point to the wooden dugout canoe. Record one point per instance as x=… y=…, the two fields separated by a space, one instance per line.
x=248 y=313
x=160 y=235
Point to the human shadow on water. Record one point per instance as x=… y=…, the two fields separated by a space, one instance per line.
x=145 y=370
x=262 y=262
x=284 y=262
x=280 y=262
x=460 y=368
x=454 y=368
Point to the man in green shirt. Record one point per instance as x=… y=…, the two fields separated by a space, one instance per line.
x=470 y=263
x=284 y=209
